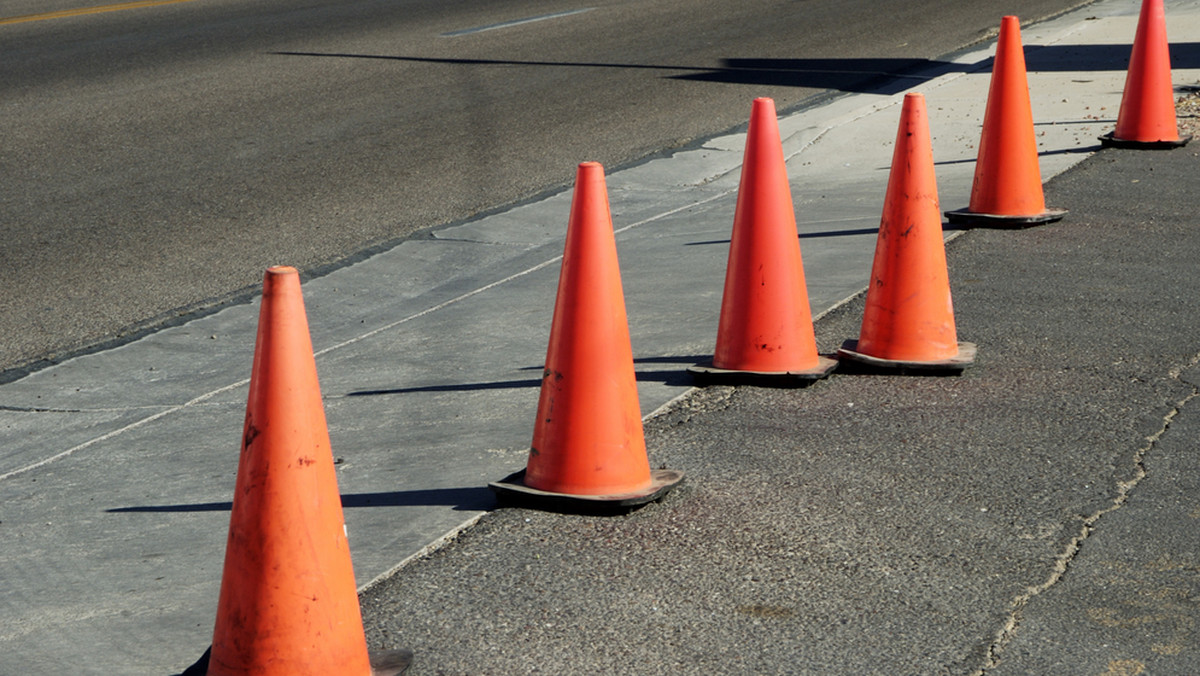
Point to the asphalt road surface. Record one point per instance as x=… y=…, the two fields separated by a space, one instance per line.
x=157 y=156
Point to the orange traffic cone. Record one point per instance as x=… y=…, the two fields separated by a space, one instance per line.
x=765 y=334
x=288 y=602
x=908 y=323
x=588 y=448
x=1007 y=191
x=1147 y=117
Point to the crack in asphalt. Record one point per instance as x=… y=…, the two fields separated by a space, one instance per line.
x=1062 y=562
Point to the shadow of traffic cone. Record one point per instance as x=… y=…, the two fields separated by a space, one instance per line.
x=1007 y=191
x=288 y=602
x=588 y=450
x=908 y=322
x=1147 y=118
x=765 y=334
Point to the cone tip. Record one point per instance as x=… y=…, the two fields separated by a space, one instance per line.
x=278 y=270
x=278 y=278
x=763 y=104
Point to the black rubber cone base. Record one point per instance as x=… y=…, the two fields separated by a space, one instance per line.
x=707 y=374
x=979 y=220
x=383 y=663
x=390 y=662
x=200 y=668
x=1111 y=141
x=512 y=489
x=867 y=363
